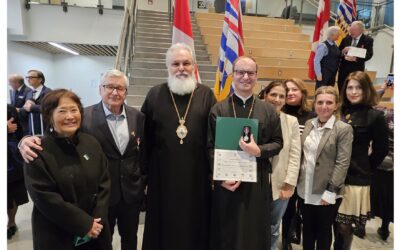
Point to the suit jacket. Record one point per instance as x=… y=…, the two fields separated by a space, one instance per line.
x=126 y=170
x=70 y=186
x=20 y=96
x=365 y=42
x=18 y=102
x=286 y=165
x=332 y=158
x=34 y=115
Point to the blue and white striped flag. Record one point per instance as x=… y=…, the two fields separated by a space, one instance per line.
x=232 y=46
x=346 y=14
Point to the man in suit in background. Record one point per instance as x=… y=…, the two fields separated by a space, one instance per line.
x=119 y=130
x=31 y=108
x=18 y=95
x=349 y=64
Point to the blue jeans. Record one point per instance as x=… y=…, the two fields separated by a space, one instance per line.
x=277 y=211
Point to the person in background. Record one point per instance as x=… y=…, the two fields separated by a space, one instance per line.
x=349 y=64
x=241 y=210
x=16 y=191
x=326 y=144
x=31 y=108
x=370 y=131
x=382 y=185
x=19 y=92
x=327 y=58
x=286 y=165
x=68 y=182
x=296 y=105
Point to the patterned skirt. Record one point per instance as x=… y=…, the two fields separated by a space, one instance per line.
x=356 y=206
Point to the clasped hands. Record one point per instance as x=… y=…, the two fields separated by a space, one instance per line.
x=252 y=149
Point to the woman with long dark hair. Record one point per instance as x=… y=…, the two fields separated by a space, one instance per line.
x=370 y=135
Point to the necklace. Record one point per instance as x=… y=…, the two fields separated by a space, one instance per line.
x=321 y=124
x=181 y=131
x=251 y=109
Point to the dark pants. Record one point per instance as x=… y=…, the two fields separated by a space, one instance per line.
x=317 y=225
x=328 y=79
x=290 y=216
x=126 y=216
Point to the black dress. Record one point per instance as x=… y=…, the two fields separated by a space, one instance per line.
x=241 y=219
x=16 y=191
x=178 y=194
x=382 y=185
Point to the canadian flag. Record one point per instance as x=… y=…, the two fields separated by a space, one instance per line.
x=321 y=24
x=182 y=30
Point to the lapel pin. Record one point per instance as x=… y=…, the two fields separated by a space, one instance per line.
x=86 y=157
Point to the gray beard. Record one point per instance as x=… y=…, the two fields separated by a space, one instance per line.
x=181 y=87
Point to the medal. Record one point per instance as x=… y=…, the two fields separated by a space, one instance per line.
x=181 y=131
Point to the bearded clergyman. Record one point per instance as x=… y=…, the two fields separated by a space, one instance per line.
x=178 y=170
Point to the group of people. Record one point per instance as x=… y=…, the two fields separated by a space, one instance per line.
x=94 y=168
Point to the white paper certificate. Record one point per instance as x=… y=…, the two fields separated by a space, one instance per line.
x=357 y=52
x=234 y=165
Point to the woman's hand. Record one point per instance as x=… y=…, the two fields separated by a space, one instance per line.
x=96 y=228
x=251 y=148
x=286 y=192
x=231 y=185
x=324 y=203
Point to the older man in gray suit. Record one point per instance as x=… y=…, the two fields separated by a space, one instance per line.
x=119 y=129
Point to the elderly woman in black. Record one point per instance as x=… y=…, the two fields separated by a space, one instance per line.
x=370 y=135
x=326 y=143
x=69 y=182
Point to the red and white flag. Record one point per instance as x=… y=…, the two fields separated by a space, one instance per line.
x=182 y=30
x=321 y=24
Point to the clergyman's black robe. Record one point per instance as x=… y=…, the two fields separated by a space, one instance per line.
x=179 y=187
x=241 y=219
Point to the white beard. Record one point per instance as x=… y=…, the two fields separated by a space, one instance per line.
x=181 y=86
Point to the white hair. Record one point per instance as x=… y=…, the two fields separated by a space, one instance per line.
x=113 y=73
x=177 y=47
x=360 y=24
x=332 y=30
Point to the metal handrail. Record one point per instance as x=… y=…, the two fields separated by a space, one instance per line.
x=126 y=48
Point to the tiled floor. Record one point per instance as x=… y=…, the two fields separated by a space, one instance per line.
x=22 y=240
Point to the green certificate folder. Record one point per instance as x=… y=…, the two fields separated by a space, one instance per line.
x=229 y=130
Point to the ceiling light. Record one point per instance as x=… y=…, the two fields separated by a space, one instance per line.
x=64 y=48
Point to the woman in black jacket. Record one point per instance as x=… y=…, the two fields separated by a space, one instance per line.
x=68 y=182
x=370 y=134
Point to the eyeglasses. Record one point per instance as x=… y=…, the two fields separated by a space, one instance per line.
x=241 y=73
x=31 y=77
x=110 y=88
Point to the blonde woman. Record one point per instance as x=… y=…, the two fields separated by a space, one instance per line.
x=326 y=152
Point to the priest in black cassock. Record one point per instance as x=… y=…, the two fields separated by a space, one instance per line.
x=178 y=170
x=241 y=210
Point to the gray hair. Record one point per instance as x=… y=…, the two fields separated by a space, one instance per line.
x=177 y=47
x=113 y=73
x=332 y=30
x=360 y=24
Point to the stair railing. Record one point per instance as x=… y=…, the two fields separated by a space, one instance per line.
x=126 y=48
